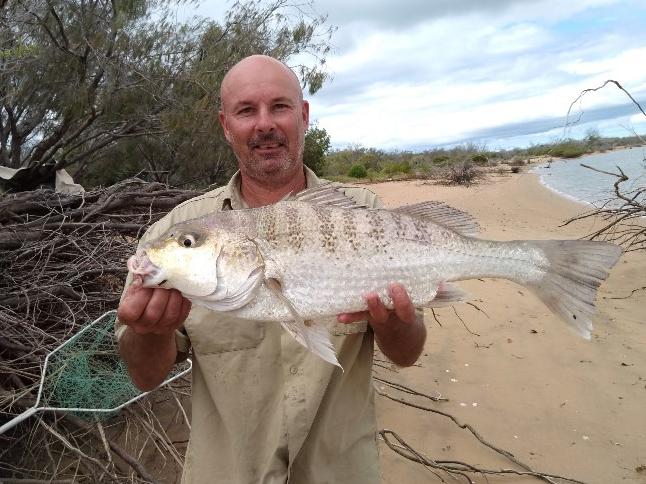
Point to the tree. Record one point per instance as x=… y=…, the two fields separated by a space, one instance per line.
x=190 y=149
x=111 y=88
x=317 y=145
x=78 y=76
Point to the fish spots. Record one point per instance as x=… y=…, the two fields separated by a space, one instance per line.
x=268 y=226
x=399 y=225
x=419 y=229
x=326 y=229
x=376 y=233
x=295 y=234
x=350 y=229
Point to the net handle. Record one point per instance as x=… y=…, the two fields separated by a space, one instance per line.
x=18 y=418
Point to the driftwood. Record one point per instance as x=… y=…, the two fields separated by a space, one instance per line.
x=62 y=264
x=622 y=216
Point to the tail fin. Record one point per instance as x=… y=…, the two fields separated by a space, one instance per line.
x=576 y=269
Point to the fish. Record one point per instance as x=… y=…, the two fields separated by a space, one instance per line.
x=315 y=254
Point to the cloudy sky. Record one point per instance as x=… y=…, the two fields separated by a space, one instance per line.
x=416 y=74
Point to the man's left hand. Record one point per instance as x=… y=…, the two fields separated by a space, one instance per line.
x=398 y=332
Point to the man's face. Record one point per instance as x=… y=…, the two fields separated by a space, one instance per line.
x=264 y=121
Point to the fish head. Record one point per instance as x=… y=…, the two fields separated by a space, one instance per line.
x=184 y=258
x=198 y=261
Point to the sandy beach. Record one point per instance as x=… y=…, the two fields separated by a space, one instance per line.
x=518 y=375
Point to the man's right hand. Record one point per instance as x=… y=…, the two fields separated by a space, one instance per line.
x=148 y=347
x=153 y=310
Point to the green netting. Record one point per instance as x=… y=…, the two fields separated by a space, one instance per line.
x=87 y=374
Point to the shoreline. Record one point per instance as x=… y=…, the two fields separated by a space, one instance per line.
x=518 y=375
x=535 y=164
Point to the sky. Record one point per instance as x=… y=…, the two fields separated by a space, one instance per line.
x=411 y=75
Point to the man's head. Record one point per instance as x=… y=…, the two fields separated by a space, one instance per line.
x=264 y=118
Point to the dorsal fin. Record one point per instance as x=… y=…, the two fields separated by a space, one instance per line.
x=326 y=194
x=443 y=214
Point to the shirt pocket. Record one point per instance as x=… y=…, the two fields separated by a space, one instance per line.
x=212 y=333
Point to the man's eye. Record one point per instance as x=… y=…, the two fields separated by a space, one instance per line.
x=244 y=112
x=187 y=240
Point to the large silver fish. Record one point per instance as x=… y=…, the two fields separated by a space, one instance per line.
x=317 y=254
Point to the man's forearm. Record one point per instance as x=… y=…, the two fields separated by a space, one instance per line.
x=149 y=357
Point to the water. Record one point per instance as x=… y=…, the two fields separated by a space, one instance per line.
x=570 y=179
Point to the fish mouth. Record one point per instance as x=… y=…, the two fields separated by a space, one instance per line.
x=141 y=265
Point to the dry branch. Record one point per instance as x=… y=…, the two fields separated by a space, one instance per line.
x=622 y=216
x=62 y=264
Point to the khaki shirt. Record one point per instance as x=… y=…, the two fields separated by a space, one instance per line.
x=264 y=409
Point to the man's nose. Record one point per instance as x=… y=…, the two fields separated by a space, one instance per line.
x=265 y=120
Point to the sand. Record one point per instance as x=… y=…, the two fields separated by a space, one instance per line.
x=527 y=383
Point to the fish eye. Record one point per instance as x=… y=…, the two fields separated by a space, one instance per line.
x=187 y=240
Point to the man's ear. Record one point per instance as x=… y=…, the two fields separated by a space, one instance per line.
x=306 y=114
x=225 y=128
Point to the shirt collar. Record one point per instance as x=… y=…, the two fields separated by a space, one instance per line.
x=233 y=198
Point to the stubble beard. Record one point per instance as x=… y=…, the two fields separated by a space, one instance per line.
x=270 y=168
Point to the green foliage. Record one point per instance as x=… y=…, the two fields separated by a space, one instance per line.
x=358 y=171
x=396 y=167
x=480 y=159
x=569 y=149
x=317 y=145
x=441 y=160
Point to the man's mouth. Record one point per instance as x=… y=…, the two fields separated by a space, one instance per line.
x=267 y=146
x=267 y=142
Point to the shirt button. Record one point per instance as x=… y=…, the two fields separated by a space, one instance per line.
x=293 y=370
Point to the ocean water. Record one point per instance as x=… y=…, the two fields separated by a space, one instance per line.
x=570 y=179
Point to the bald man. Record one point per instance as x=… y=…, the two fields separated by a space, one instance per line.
x=264 y=409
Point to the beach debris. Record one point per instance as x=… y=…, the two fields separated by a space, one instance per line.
x=317 y=254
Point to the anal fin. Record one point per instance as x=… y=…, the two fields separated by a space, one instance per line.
x=447 y=295
x=314 y=337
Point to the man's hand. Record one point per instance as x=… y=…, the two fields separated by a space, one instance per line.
x=148 y=344
x=153 y=310
x=398 y=332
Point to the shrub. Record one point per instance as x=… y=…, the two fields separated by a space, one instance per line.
x=568 y=149
x=396 y=167
x=441 y=160
x=462 y=174
x=515 y=169
x=358 y=171
x=480 y=159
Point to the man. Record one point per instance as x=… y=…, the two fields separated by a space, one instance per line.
x=265 y=410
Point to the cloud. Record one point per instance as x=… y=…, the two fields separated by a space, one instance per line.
x=423 y=72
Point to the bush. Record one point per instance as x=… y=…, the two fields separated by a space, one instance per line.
x=480 y=159
x=400 y=167
x=462 y=174
x=358 y=171
x=441 y=160
x=568 y=149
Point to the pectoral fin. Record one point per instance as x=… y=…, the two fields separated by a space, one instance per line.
x=222 y=300
x=315 y=337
